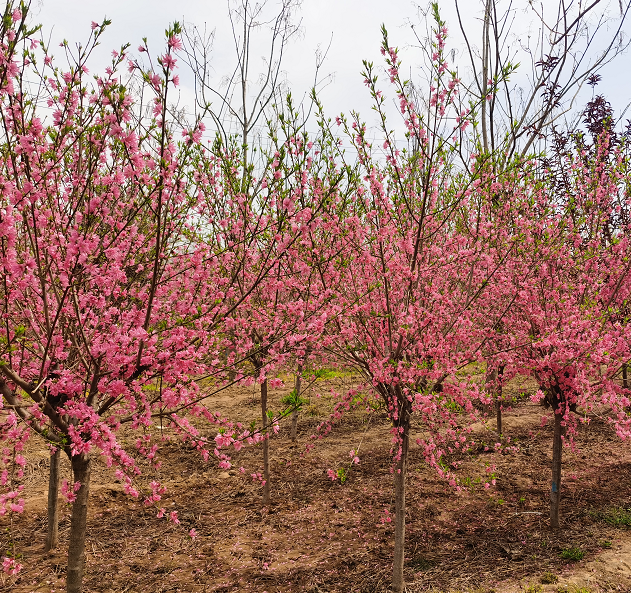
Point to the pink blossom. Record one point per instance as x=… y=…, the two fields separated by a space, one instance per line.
x=175 y=43
x=11 y=566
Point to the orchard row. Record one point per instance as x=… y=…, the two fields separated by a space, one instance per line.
x=143 y=267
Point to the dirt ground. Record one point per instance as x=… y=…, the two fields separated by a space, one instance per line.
x=322 y=536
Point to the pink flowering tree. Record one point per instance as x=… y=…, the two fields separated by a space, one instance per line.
x=571 y=315
x=428 y=269
x=106 y=291
x=283 y=301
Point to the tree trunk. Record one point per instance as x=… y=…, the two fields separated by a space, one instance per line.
x=265 y=443
x=76 y=549
x=498 y=412
x=294 y=425
x=498 y=403
x=400 y=472
x=232 y=373
x=625 y=376
x=494 y=388
x=52 y=536
x=294 y=414
x=491 y=388
x=555 y=492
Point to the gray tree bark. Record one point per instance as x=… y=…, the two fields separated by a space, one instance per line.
x=555 y=491
x=266 y=486
x=400 y=473
x=294 y=414
x=52 y=535
x=76 y=550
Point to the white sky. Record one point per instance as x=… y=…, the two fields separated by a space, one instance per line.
x=352 y=26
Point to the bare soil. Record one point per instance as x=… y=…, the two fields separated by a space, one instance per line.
x=323 y=536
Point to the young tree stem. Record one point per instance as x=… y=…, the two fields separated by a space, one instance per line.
x=555 y=491
x=52 y=535
x=266 y=491
x=78 y=522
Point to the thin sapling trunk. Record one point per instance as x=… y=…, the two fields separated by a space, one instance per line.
x=494 y=387
x=498 y=414
x=491 y=386
x=266 y=496
x=52 y=535
x=400 y=473
x=498 y=401
x=78 y=523
x=294 y=414
x=555 y=491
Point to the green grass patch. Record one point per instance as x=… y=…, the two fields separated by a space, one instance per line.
x=574 y=554
x=616 y=516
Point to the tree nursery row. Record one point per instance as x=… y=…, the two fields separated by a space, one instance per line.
x=147 y=264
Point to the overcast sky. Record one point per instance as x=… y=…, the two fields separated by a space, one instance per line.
x=352 y=27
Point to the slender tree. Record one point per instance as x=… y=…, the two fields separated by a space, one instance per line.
x=425 y=255
x=103 y=289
